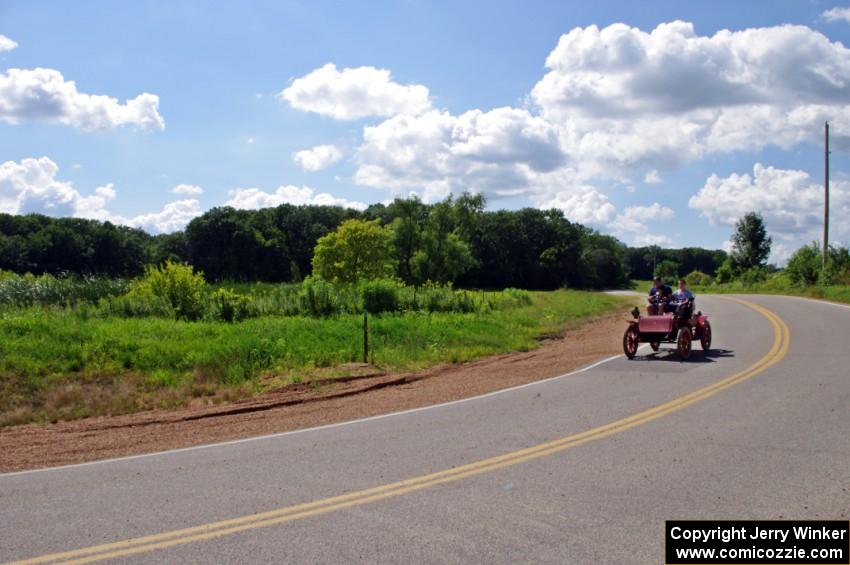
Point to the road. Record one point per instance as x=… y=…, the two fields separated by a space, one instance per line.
x=578 y=469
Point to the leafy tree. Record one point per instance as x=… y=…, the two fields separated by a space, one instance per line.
x=443 y=254
x=668 y=271
x=409 y=219
x=175 y=283
x=750 y=242
x=357 y=250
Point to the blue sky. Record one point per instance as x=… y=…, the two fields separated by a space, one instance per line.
x=623 y=134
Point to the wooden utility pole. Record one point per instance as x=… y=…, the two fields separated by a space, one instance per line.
x=825 y=194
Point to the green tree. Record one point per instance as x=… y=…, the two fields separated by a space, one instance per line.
x=804 y=266
x=443 y=254
x=750 y=242
x=668 y=271
x=357 y=250
x=410 y=215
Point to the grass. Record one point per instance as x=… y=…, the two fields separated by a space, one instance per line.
x=60 y=363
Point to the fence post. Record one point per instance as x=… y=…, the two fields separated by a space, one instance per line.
x=365 y=336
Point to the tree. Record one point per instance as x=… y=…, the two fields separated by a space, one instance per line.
x=410 y=215
x=750 y=242
x=668 y=271
x=443 y=254
x=357 y=250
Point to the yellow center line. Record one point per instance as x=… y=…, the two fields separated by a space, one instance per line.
x=212 y=530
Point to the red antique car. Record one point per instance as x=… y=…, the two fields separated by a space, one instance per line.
x=681 y=327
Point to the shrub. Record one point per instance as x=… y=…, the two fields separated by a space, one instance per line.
x=228 y=306
x=805 y=265
x=380 y=295
x=177 y=284
x=318 y=297
x=698 y=278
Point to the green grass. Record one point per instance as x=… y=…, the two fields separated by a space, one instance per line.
x=60 y=363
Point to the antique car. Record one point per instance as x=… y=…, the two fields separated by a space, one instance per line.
x=681 y=327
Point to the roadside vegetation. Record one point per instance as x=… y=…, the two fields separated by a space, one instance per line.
x=745 y=270
x=91 y=359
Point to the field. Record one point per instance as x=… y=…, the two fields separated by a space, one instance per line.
x=68 y=357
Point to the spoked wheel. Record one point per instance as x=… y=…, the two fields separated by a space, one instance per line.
x=683 y=343
x=655 y=345
x=630 y=342
x=705 y=336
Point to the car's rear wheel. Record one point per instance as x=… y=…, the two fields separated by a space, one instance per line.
x=630 y=342
x=705 y=336
x=683 y=343
x=655 y=345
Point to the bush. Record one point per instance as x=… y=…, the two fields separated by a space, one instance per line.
x=805 y=265
x=753 y=276
x=698 y=278
x=177 y=284
x=380 y=295
x=318 y=297
x=229 y=306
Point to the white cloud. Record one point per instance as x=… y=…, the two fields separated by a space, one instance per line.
x=31 y=186
x=174 y=216
x=254 y=198
x=250 y=141
x=187 y=189
x=497 y=152
x=633 y=220
x=6 y=44
x=626 y=98
x=44 y=95
x=356 y=93
x=790 y=201
x=318 y=157
x=837 y=15
x=652 y=177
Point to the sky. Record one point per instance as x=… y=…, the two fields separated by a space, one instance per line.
x=657 y=122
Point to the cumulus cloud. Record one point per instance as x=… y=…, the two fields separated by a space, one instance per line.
x=187 y=189
x=6 y=44
x=318 y=157
x=44 y=95
x=356 y=93
x=632 y=222
x=496 y=152
x=625 y=97
x=173 y=216
x=790 y=201
x=31 y=187
x=837 y=15
x=652 y=177
x=254 y=198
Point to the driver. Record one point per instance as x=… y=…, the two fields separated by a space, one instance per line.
x=660 y=293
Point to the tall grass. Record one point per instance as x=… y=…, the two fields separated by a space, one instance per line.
x=48 y=349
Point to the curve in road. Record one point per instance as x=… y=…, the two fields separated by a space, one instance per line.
x=220 y=528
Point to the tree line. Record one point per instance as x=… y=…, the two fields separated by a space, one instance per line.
x=453 y=241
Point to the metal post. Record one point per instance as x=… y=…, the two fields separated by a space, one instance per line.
x=365 y=336
x=826 y=194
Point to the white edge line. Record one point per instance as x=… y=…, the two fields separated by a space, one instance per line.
x=313 y=429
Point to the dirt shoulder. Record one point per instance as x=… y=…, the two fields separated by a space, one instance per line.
x=305 y=405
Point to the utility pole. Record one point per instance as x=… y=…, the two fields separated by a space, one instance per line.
x=825 y=194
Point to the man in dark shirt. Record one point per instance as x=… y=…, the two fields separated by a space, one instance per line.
x=659 y=294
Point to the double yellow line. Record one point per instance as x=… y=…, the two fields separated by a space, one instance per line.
x=287 y=514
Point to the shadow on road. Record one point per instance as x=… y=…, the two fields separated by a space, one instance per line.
x=697 y=355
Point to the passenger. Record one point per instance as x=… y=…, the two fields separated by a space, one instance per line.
x=660 y=293
x=682 y=298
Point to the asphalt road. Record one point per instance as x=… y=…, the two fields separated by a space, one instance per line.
x=579 y=469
